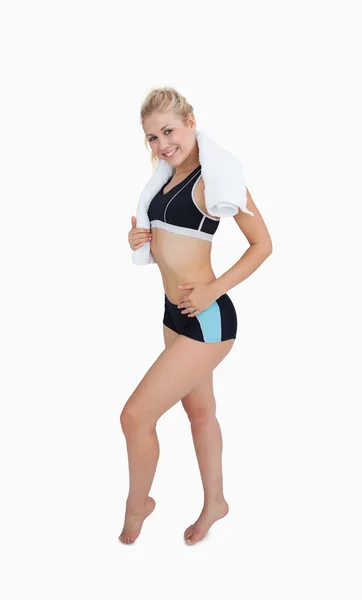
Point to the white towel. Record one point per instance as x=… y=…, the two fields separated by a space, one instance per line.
x=225 y=188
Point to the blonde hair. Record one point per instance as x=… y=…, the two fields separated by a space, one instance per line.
x=163 y=99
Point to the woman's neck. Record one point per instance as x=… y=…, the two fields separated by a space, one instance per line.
x=190 y=164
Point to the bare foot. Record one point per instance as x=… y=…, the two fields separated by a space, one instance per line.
x=208 y=516
x=133 y=522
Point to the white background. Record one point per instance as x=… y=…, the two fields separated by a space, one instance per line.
x=277 y=84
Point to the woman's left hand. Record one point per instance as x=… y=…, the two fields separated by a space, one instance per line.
x=199 y=299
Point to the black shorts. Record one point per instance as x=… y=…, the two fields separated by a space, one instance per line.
x=216 y=323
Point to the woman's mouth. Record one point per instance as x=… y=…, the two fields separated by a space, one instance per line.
x=171 y=153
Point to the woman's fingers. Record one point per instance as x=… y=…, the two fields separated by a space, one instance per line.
x=141 y=240
x=138 y=243
x=139 y=236
x=188 y=309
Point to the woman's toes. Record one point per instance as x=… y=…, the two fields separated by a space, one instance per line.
x=125 y=538
x=188 y=531
x=196 y=536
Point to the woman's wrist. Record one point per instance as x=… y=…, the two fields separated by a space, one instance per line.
x=216 y=286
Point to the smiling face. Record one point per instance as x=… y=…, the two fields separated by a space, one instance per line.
x=170 y=138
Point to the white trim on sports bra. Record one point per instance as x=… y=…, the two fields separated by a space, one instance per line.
x=198 y=208
x=202 y=235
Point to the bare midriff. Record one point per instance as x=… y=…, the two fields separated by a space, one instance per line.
x=181 y=259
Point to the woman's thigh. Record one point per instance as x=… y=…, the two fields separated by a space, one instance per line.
x=177 y=371
x=201 y=398
x=169 y=335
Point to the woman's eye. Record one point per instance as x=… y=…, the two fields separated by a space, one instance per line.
x=151 y=139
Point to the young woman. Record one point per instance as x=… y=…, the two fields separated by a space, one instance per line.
x=199 y=324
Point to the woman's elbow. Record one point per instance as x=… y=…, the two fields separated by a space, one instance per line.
x=266 y=247
x=269 y=248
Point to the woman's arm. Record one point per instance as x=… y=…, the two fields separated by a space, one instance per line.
x=255 y=230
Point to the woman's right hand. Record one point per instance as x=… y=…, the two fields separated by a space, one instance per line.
x=137 y=236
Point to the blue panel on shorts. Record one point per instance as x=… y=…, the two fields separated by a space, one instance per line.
x=210 y=323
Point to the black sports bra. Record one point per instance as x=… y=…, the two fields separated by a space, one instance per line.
x=177 y=211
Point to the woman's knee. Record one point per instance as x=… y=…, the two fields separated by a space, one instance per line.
x=199 y=415
x=132 y=419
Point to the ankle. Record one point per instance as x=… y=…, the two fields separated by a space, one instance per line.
x=135 y=506
x=214 y=500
